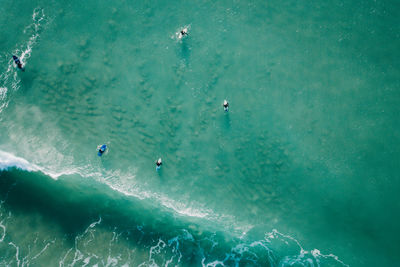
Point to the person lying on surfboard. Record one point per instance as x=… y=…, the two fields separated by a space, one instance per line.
x=101 y=150
x=18 y=62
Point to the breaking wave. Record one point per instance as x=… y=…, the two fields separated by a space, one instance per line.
x=186 y=246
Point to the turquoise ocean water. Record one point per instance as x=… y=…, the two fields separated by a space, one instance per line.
x=304 y=169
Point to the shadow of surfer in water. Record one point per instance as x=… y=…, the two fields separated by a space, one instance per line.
x=185 y=50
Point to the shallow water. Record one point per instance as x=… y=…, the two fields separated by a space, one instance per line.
x=302 y=170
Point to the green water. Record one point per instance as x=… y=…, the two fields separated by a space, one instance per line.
x=310 y=145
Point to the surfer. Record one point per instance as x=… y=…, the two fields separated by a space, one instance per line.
x=18 y=62
x=158 y=164
x=102 y=149
x=183 y=32
x=226 y=105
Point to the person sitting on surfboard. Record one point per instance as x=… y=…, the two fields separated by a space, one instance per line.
x=158 y=164
x=18 y=62
x=226 y=105
x=182 y=33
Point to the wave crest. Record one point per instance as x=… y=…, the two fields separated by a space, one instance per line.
x=8 y=160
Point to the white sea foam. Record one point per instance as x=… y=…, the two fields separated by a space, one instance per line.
x=125 y=184
x=4 y=81
x=3 y=92
x=8 y=160
x=304 y=255
x=16 y=253
x=2 y=226
x=43 y=249
x=212 y=264
x=39 y=19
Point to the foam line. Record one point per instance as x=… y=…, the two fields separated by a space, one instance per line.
x=2 y=226
x=315 y=253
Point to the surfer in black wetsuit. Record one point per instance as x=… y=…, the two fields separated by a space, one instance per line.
x=158 y=164
x=226 y=105
x=184 y=32
x=101 y=150
x=18 y=62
